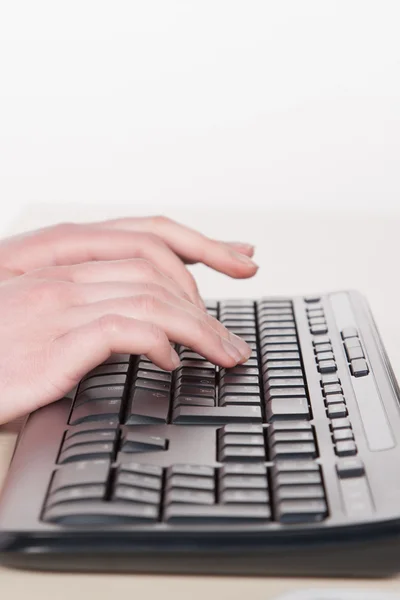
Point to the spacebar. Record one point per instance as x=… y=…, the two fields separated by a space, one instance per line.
x=223 y=514
x=216 y=415
x=373 y=415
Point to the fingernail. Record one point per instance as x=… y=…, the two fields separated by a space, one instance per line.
x=242 y=245
x=175 y=359
x=240 y=344
x=232 y=350
x=244 y=259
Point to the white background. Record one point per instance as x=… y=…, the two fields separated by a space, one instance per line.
x=155 y=104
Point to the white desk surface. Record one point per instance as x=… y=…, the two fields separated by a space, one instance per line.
x=297 y=253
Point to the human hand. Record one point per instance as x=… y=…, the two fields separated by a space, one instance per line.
x=60 y=322
x=163 y=242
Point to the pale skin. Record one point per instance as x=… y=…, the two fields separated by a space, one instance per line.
x=71 y=295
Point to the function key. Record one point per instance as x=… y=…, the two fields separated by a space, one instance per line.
x=336 y=411
x=321 y=340
x=359 y=367
x=350 y=467
x=349 y=332
x=312 y=299
x=346 y=448
x=327 y=366
x=340 y=423
x=319 y=329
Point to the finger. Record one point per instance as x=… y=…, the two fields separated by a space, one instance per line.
x=242 y=247
x=191 y=245
x=89 y=293
x=119 y=271
x=180 y=326
x=83 y=348
x=72 y=244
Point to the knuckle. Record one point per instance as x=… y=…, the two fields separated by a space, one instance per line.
x=160 y=220
x=109 y=324
x=145 y=268
x=155 y=336
x=147 y=304
x=200 y=329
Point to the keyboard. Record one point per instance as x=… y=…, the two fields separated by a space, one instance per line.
x=287 y=464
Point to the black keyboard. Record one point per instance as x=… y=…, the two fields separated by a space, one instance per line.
x=287 y=464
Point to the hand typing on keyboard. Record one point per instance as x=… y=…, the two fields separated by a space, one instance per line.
x=73 y=294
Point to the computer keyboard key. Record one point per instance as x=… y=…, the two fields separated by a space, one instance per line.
x=359 y=367
x=220 y=514
x=243 y=482
x=287 y=426
x=352 y=343
x=85 y=472
x=332 y=388
x=95 y=410
x=295 y=450
x=141 y=469
x=113 y=369
x=354 y=353
x=342 y=434
x=235 y=390
x=341 y=423
x=346 y=448
x=193 y=381
x=196 y=364
x=276 y=340
x=101 y=513
x=243 y=469
x=190 y=482
x=142 y=442
x=266 y=347
x=195 y=470
x=349 y=332
x=270 y=365
x=264 y=331
x=284 y=383
x=179 y=496
x=334 y=399
x=318 y=329
x=146 y=482
x=285 y=392
x=315 y=320
x=315 y=311
x=325 y=356
x=227 y=379
x=323 y=348
x=312 y=299
x=152 y=384
x=281 y=373
x=291 y=436
x=299 y=478
x=196 y=372
x=241 y=453
x=193 y=401
x=89 y=436
x=201 y=392
x=148 y=366
x=117 y=358
x=127 y=493
x=92 y=395
x=350 y=467
x=154 y=375
x=295 y=466
x=244 y=497
x=147 y=407
x=336 y=410
x=240 y=370
x=287 y=408
x=300 y=492
x=77 y=494
x=217 y=415
x=319 y=341
x=87 y=452
x=301 y=511
x=233 y=400
x=327 y=366
x=283 y=356
x=328 y=378
x=241 y=439
x=102 y=380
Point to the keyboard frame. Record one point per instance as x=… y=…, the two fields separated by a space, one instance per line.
x=364 y=547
